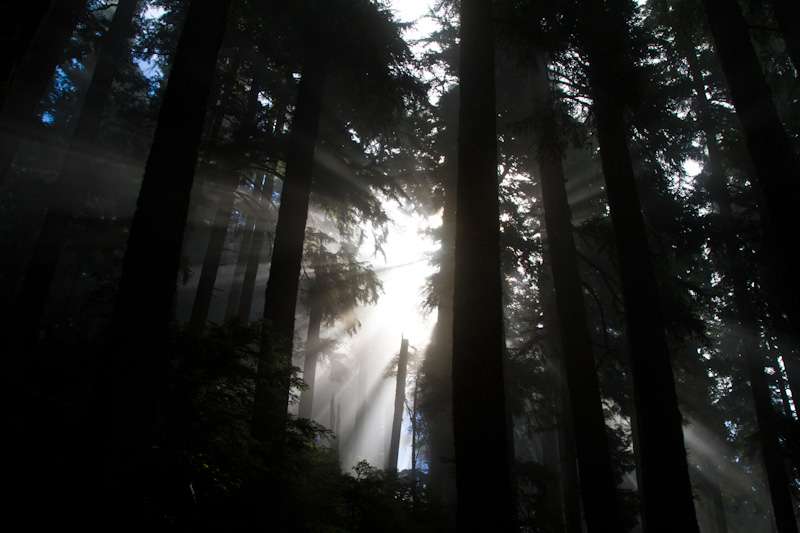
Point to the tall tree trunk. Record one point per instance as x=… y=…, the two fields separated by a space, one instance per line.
x=226 y=185
x=770 y=152
x=19 y=24
x=306 y=406
x=280 y=299
x=568 y=480
x=30 y=84
x=399 y=404
x=666 y=491
x=438 y=364
x=235 y=294
x=254 y=255
x=482 y=439
x=766 y=417
x=787 y=15
x=211 y=261
x=143 y=308
x=598 y=488
x=67 y=194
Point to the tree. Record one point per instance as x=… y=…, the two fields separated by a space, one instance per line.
x=482 y=456
x=747 y=314
x=21 y=22
x=68 y=191
x=399 y=404
x=598 y=487
x=767 y=143
x=338 y=282
x=33 y=77
x=366 y=57
x=143 y=308
x=666 y=490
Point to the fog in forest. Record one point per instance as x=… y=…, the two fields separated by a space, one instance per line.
x=401 y=265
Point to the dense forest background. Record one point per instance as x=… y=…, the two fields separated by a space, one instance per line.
x=209 y=207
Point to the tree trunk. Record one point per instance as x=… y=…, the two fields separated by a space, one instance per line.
x=399 y=404
x=280 y=300
x=143 y=309
x=235 y=294
x=226 y=185
x=787 y=15
x=310 y=364
x=31 y=83
x=438 y=364
x=666 y=491
x=67 y=195
x=19 y=24
x=482 y=439
x=254 y=255
x=782 y=505
x=598 y=488
x=770 y=152
x=211 y=261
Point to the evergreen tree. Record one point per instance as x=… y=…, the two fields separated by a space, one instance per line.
x=482 y=457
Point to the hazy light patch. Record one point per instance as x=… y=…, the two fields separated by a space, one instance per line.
x=414 y=11
x=368 y=353
x=692 y=167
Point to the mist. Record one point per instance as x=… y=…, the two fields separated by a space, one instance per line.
x=228 y=228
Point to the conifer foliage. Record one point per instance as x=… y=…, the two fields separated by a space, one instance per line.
x=201 y=209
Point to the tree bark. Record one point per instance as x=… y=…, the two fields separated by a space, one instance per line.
x=280 y=300
x=67 y=195
x=19 y=24
x=33 y=78
x=254 y=255
x=666 y=491
x=766 y=418
x=235 y=294
x=306 y=406
x=481 y=436
x=768 y=145
x=211 y=261
x=597 y=484
x=399 y=405
x=438 y=364
x=137 y=342
x=787 y=15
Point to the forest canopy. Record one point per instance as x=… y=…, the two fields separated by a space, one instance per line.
x=515 y=265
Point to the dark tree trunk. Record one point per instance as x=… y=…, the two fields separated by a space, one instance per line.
x=766 y=418
x=438 y=364
x=254 y=255
x=143 y=308
x=310 y=364
x=19 y=24
x=787 y=15
x=235 y=294
x=226 y=185
x=33 y=78
x=770 y=152
x=598 y=488
x=666 y=491
x=280 y=300
x=399 y=406
x=68 y=192
x=482 y=440
x=569 y=464
x=211 y=261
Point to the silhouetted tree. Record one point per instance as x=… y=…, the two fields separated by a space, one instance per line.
x=76 y=174
x=143 y=308
x=33 y=77
x=665 y=487
x=20 y=23
x=481 y=433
